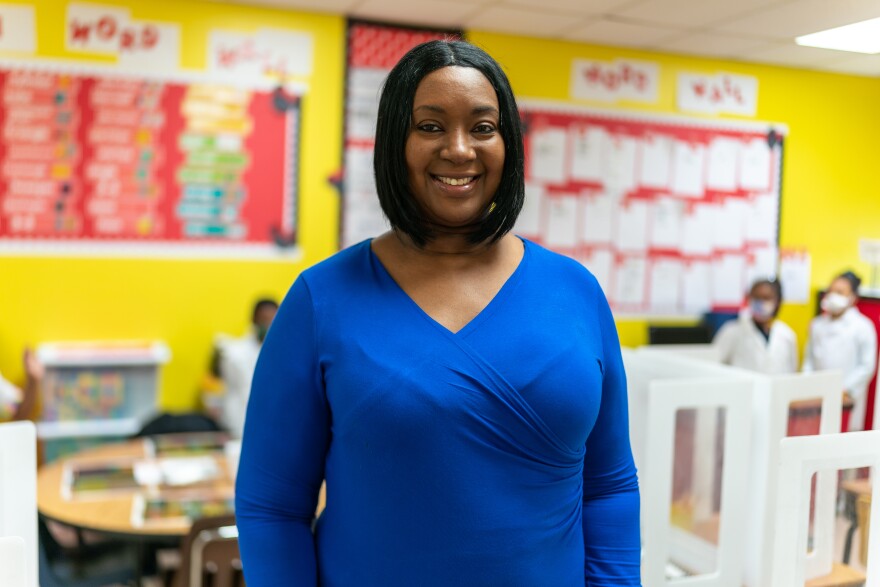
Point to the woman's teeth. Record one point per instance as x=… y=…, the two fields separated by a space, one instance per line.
x=453 y=181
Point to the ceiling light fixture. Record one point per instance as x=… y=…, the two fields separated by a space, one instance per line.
x=859 y=37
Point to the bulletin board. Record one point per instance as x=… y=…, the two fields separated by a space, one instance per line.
x=97 y=161
x=373 y=50
x=674 y=216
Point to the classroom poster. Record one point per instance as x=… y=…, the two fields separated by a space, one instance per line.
x=94 y=160
x=674 y=216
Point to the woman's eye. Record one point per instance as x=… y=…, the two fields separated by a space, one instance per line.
x=484 y=129
x=427 y=127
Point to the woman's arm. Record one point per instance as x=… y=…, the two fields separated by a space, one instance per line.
x=612 y=543
x=286 y=436
x=858 y=378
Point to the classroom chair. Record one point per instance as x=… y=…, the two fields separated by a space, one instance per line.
x=210 y=556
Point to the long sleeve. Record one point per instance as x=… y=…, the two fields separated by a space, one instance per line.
x=611 y=493
x=807 y=365
x=285 y=441
x=725 y=340
x=857 y=379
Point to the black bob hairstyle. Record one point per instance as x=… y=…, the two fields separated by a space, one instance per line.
x=395 y=122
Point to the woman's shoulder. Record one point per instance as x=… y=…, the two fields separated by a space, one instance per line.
x=784 y=330
x=554 y=266
x=343 y=267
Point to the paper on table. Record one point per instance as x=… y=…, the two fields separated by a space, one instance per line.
x=722 y=168
x=622 y=154
x=697 y=296
x=548 y=154
x=761 y=219
x=599 y=215
x=666 y=225
x=632 y=227
x=755 y=166
x=656 y=162
x=600 y=262
x=730 y=228
x=665 y=288
x=698 y=230
x=794 y=273
x=562 y=213
x=688 y=169
x=630 y=283
x=762 y=265
x=587 y=148
x=728 y=280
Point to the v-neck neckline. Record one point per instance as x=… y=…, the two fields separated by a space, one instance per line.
x=508 y=286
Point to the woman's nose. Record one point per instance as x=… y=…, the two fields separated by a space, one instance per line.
x=459 y=147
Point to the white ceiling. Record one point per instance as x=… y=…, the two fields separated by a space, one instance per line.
x=759 y=31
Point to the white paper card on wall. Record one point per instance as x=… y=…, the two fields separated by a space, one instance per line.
x=755 y=166
x=632 y=227
x=588 y=148
x=361 y=111
x=622 y=79
x=666 y=223
x=655 y=164
x=762 y=264
x=631 y=282
x=150 y=46
x=548 y=154
x=94 y=28
x=622 y=154
x=562 y=221
x=600 y=262
x=254 y=56
x=728 y=281
x=529 y=221
x=714 y=94
x=18 y=29
x=599 y=211
x=698 y=231
x=730 y=228
x=761 y=219
x=697 y=296
x=688 y=169
x=666 y=279
x=722 y=170
x=794 y=275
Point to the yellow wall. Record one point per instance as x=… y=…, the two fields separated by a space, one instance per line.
x=830 y=184
x=830 y=189
x=181 y=302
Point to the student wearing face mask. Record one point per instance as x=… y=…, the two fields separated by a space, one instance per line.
x=234 y=362
x=757 y=340
x=842 y=338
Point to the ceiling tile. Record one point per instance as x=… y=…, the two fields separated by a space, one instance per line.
x=579 y=7
x=508 y=19
x=800 y=17
x=433 y=13
x=711 y=45
x=688 y=13
x=868 y=65
x=626 y=34
x=792 y=55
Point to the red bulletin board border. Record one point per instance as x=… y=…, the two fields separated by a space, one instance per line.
x=266 y=204
x=371 y=45
x=540 y=115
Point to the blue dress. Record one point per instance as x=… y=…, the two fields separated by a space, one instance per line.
x=495 y=456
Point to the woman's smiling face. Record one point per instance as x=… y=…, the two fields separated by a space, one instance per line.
x=454 y=151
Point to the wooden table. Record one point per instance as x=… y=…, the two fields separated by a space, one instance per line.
x=111 y=513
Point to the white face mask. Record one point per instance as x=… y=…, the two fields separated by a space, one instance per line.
x=762 y=310
x=835 y=303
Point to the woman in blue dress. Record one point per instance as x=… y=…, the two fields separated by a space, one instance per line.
x=459 y=388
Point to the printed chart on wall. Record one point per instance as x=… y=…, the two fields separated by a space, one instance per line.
x=95 y=162
x=373 y=50
x=674 y=216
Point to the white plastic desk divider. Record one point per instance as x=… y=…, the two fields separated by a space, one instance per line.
x=772 y=401
x=12 y=562
x=799 y=458
x=664 y=401
x=18 y=498
x=703 y=352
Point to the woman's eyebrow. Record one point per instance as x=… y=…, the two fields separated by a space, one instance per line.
x=441 y=110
